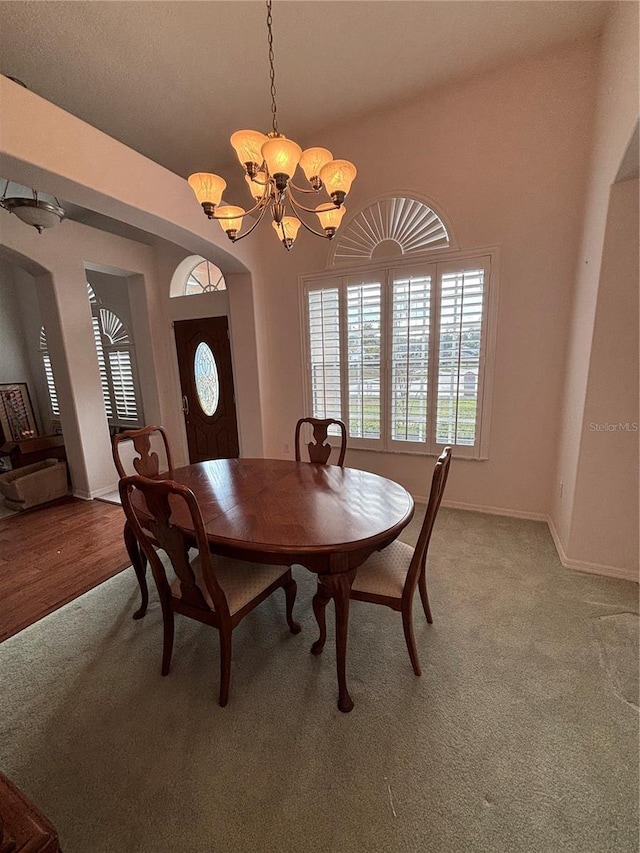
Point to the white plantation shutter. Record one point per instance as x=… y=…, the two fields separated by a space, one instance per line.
x=410 y=338
x=324 y=351
x=48 y=372
x=123 y=388
x=404 y=349
x=102 y=367
x=461 y=314
x=116 y=364
x=364 y=358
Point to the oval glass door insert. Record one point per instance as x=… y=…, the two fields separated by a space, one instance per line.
x=206 y=377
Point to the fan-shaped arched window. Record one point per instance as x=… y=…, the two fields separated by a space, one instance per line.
x=205 y=277
x=390 y=227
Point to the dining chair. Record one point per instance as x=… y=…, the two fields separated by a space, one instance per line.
x=319 y=448
x=144 y=451
x=211 y=589
x=390 y=576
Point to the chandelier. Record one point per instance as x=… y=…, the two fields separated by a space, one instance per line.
x=270 y=162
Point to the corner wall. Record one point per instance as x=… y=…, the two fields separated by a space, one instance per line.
x=616 y=118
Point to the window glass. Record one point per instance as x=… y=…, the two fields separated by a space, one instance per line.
x=205 y=277
x=206 y=378
x=324 y=346
x=364 y=357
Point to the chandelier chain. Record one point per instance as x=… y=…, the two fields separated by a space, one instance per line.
x=272 y=69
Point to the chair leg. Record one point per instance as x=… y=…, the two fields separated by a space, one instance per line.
x=225 y=665
x=407 y=624
x=167 y=645
x=320 y=601
x=422 y=586
x=290 y=589
x=139 y=563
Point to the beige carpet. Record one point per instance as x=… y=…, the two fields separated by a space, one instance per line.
x=521 y=735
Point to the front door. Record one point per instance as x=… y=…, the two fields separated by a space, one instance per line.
x=206 y=379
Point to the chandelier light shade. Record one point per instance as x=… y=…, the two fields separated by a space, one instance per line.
x=230 y=218
x=29 y=206
x=208 y=188
x=270 y=162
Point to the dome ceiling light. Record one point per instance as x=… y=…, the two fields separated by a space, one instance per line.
x=32 y=209
x=270 y=162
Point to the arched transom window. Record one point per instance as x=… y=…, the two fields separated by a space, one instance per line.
x=205 y=277
x=390 y=227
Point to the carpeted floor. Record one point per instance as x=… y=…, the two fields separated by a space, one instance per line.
x=521 y=735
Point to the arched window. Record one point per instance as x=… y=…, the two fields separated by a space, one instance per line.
x=397 y=334
x=48 y=372
x=389 y=227
x=205 y=277
x=116 y=362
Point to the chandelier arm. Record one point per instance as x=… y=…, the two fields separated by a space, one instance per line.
x=302 y=222
x=260 y=203
x=257 y=222
x=298 y=206
x=302 y=190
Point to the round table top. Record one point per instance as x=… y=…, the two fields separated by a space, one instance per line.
x=282 y=507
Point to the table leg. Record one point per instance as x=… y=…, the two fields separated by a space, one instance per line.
x=338 y=586
x=139 y=563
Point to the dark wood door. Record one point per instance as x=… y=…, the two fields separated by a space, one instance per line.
x=206 y=379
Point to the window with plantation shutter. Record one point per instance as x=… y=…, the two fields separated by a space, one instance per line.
x=48 y=372
x=364 y=358
x=461 y=312
x=102 y=367
x=116 y=363
x=323 y=315
x=410 y=335
x=403 y=348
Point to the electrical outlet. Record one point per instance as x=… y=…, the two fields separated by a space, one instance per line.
x=285 y=448
x=561 y=488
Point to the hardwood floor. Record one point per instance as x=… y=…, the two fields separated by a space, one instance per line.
x=54 y=553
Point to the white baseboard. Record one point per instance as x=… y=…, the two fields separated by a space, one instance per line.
x=83 y=496
x=591 y=568
x=496 y=510
x=568 y=563
x=105 y=490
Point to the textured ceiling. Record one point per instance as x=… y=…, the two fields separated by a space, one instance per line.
x=173 y=80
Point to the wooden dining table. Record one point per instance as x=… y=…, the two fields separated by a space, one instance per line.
x=326 y=518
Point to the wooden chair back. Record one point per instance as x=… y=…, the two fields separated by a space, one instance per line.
x=438 y=483
x=150 y=519
x=150 y=443
x=319 y=448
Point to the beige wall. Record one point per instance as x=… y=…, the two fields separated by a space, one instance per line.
x=15 y=365
x=505 y=157
x=615 y=120
x=604 y=530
